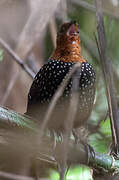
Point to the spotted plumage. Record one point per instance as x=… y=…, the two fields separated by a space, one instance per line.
x=51 y=75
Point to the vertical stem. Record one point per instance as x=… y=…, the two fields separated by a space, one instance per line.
x=108 y=76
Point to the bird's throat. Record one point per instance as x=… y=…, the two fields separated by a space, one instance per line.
x=68 y=53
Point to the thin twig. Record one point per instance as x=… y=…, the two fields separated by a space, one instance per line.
x=17 y=177
x=68 y=123
x=108 y=76
x=14 y=78
x=92 y=8
x=17 y=58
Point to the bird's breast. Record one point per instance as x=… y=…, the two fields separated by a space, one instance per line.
x=50 y=77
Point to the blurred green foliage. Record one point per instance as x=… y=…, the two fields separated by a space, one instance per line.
x=1 y=54
x=75 y=173
x=102 y=140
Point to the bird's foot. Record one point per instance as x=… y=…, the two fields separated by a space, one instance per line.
x=56 y=137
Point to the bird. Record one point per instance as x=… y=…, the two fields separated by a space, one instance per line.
x=46 y=82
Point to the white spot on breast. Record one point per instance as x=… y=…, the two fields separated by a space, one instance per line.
x=69 y=85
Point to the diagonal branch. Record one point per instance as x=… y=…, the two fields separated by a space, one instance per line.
x=68 y=123
x=57 y=96
x=92 y=8
x=17 y=58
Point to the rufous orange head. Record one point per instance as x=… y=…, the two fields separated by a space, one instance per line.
x=68 y=43
x=68 y=33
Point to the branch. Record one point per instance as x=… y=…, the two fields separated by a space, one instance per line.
x=9 y=118
x=28 y=145
x=108 y=76
x=17 y=177
x=17 y=59
x=92 y=8
x=68 y=122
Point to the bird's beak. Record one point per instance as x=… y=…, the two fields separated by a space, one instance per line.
x=73 y=29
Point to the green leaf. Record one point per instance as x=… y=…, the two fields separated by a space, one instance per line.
x=75 y=173
x=105 y=127
x=99 y=143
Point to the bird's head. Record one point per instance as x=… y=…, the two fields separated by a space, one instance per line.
x=68 y=43
x=68 y=33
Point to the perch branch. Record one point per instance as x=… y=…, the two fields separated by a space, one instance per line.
x=77 y=153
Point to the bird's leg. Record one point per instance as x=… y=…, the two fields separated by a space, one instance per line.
x=62 y=173
x=62 y=170
x=76 y=137
x=61 y=136
x=56 y=136
x=90 y=152
x=80 y=137
x=62 y=166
